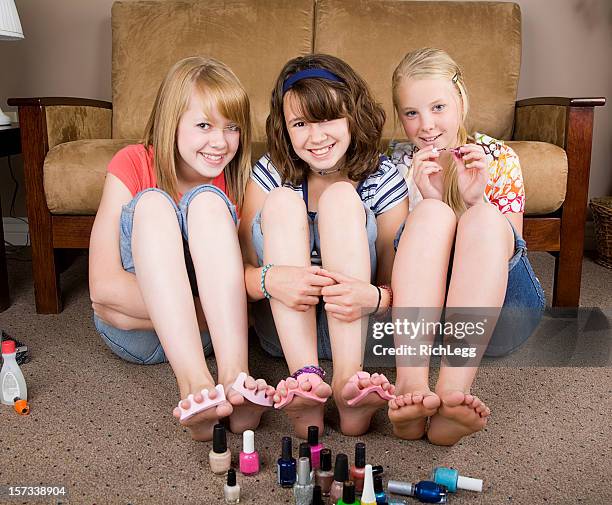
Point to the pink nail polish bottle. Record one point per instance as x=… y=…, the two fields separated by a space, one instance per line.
x=249 y=457
x=315 y=446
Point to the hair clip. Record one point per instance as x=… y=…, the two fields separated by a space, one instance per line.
x=455 y=78
x=454 y=150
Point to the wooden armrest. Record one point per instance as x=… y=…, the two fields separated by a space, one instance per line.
x=546 y=119
x=58 y=100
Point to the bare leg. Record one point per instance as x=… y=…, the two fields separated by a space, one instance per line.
x=286 y=242
x=484 y=245
x=344 y=248
x=419 y=282
x=162 y=276
x=214 y=248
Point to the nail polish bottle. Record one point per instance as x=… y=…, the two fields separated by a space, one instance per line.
x=303 y=489
x=348 y=494
x=450 y=478
x=379 y=490
x=324 y=475
x=341 y=474
x=315 y=446
x=358 y=469
x=368 y=497
x=317 y=497
x=286 y=465
x=231 y=490
x=377 y=470
x=425 y=491
x=304 y=452
x=220 y=458
x=249 y=457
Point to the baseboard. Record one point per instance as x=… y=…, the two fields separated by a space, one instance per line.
x=16 y=230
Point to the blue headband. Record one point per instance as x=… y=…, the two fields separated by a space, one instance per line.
x=310 y=73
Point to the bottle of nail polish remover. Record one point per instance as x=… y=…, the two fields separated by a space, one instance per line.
x=367 y=496
x=324 y=475
x=348 y=494
x=304 y=488
x=379 y=490
x=341 y=474
x=357 y=472
x=220 y=457
x=12 y=382
x=450 y=478
x=286 y=465
x=425 y=491
x=231 y=490
x=249 y=457
x=315 y=446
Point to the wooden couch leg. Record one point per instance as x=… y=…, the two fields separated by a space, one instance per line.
x=568 y=273
x=44 y=269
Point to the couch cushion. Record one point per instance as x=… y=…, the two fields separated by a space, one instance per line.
x=254 y=37
x=544 y=169
x=483 y=37
x=74 y=174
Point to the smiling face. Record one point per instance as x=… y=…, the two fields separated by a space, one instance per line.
x=206 y=141
x=322 y=145
x=430 y=112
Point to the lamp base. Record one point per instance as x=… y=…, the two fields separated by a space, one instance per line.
x=4 y=119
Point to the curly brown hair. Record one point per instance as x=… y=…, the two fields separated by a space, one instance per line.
x=320 y=100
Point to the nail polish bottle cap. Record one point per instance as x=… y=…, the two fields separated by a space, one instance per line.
x=248 y=442
x=219 y=439
x=348 y=492
x=360 y=454
x=326 y=460
x=341 y=468
x=303 y=471
x=305 y=451
x=287 y=448
x=231 y=477
x=317 y=497
x=378 y=470
x=313 y=435
x=399 y=487
x=469 y=484
x=378 y=484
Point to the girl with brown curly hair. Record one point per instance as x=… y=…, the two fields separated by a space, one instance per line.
x=321 y=211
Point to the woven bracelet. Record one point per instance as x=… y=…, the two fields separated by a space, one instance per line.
x=264 y=271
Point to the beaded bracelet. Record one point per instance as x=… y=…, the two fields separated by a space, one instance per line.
x=264 y=271
x=317 y=370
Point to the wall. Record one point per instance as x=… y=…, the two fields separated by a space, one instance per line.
x=67 y=52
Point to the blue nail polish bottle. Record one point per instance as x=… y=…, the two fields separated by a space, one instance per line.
x=450 y=478
x=425 y=491
x=285 y=466
x=379 y=491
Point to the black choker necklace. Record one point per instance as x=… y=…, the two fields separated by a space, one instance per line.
x=325 y=172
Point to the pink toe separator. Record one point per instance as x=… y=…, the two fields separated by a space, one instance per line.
x=370 y=389
x=208 y=403
x=308 y=395
x=258 y=397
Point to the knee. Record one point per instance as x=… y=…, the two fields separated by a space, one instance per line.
x=153 y=204
x=338 y=200
x=483 y=222
x=433 y=215
x=283 y=205
x=209 y=204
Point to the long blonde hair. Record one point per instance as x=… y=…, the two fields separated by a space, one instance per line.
x=216 y=84
x=430 y=63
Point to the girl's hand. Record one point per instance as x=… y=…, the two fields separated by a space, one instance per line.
x=346 y=299
x=427 y=173
x=299 y=288
x=472 y=173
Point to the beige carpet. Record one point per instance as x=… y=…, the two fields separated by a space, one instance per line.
x=102 y=427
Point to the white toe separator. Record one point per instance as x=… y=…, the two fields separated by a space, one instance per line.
x=208 y=402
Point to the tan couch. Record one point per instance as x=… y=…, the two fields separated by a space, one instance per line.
x=67 y=143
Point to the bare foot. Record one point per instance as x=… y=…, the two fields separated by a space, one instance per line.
x=201 y=424
x=304 y=412
x=408 y=413
x=355 y=420
x=246 y=415
x=459 y=415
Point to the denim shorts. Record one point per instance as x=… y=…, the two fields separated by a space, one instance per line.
x=263 y=321
x=524 y=302
x=143 y=346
